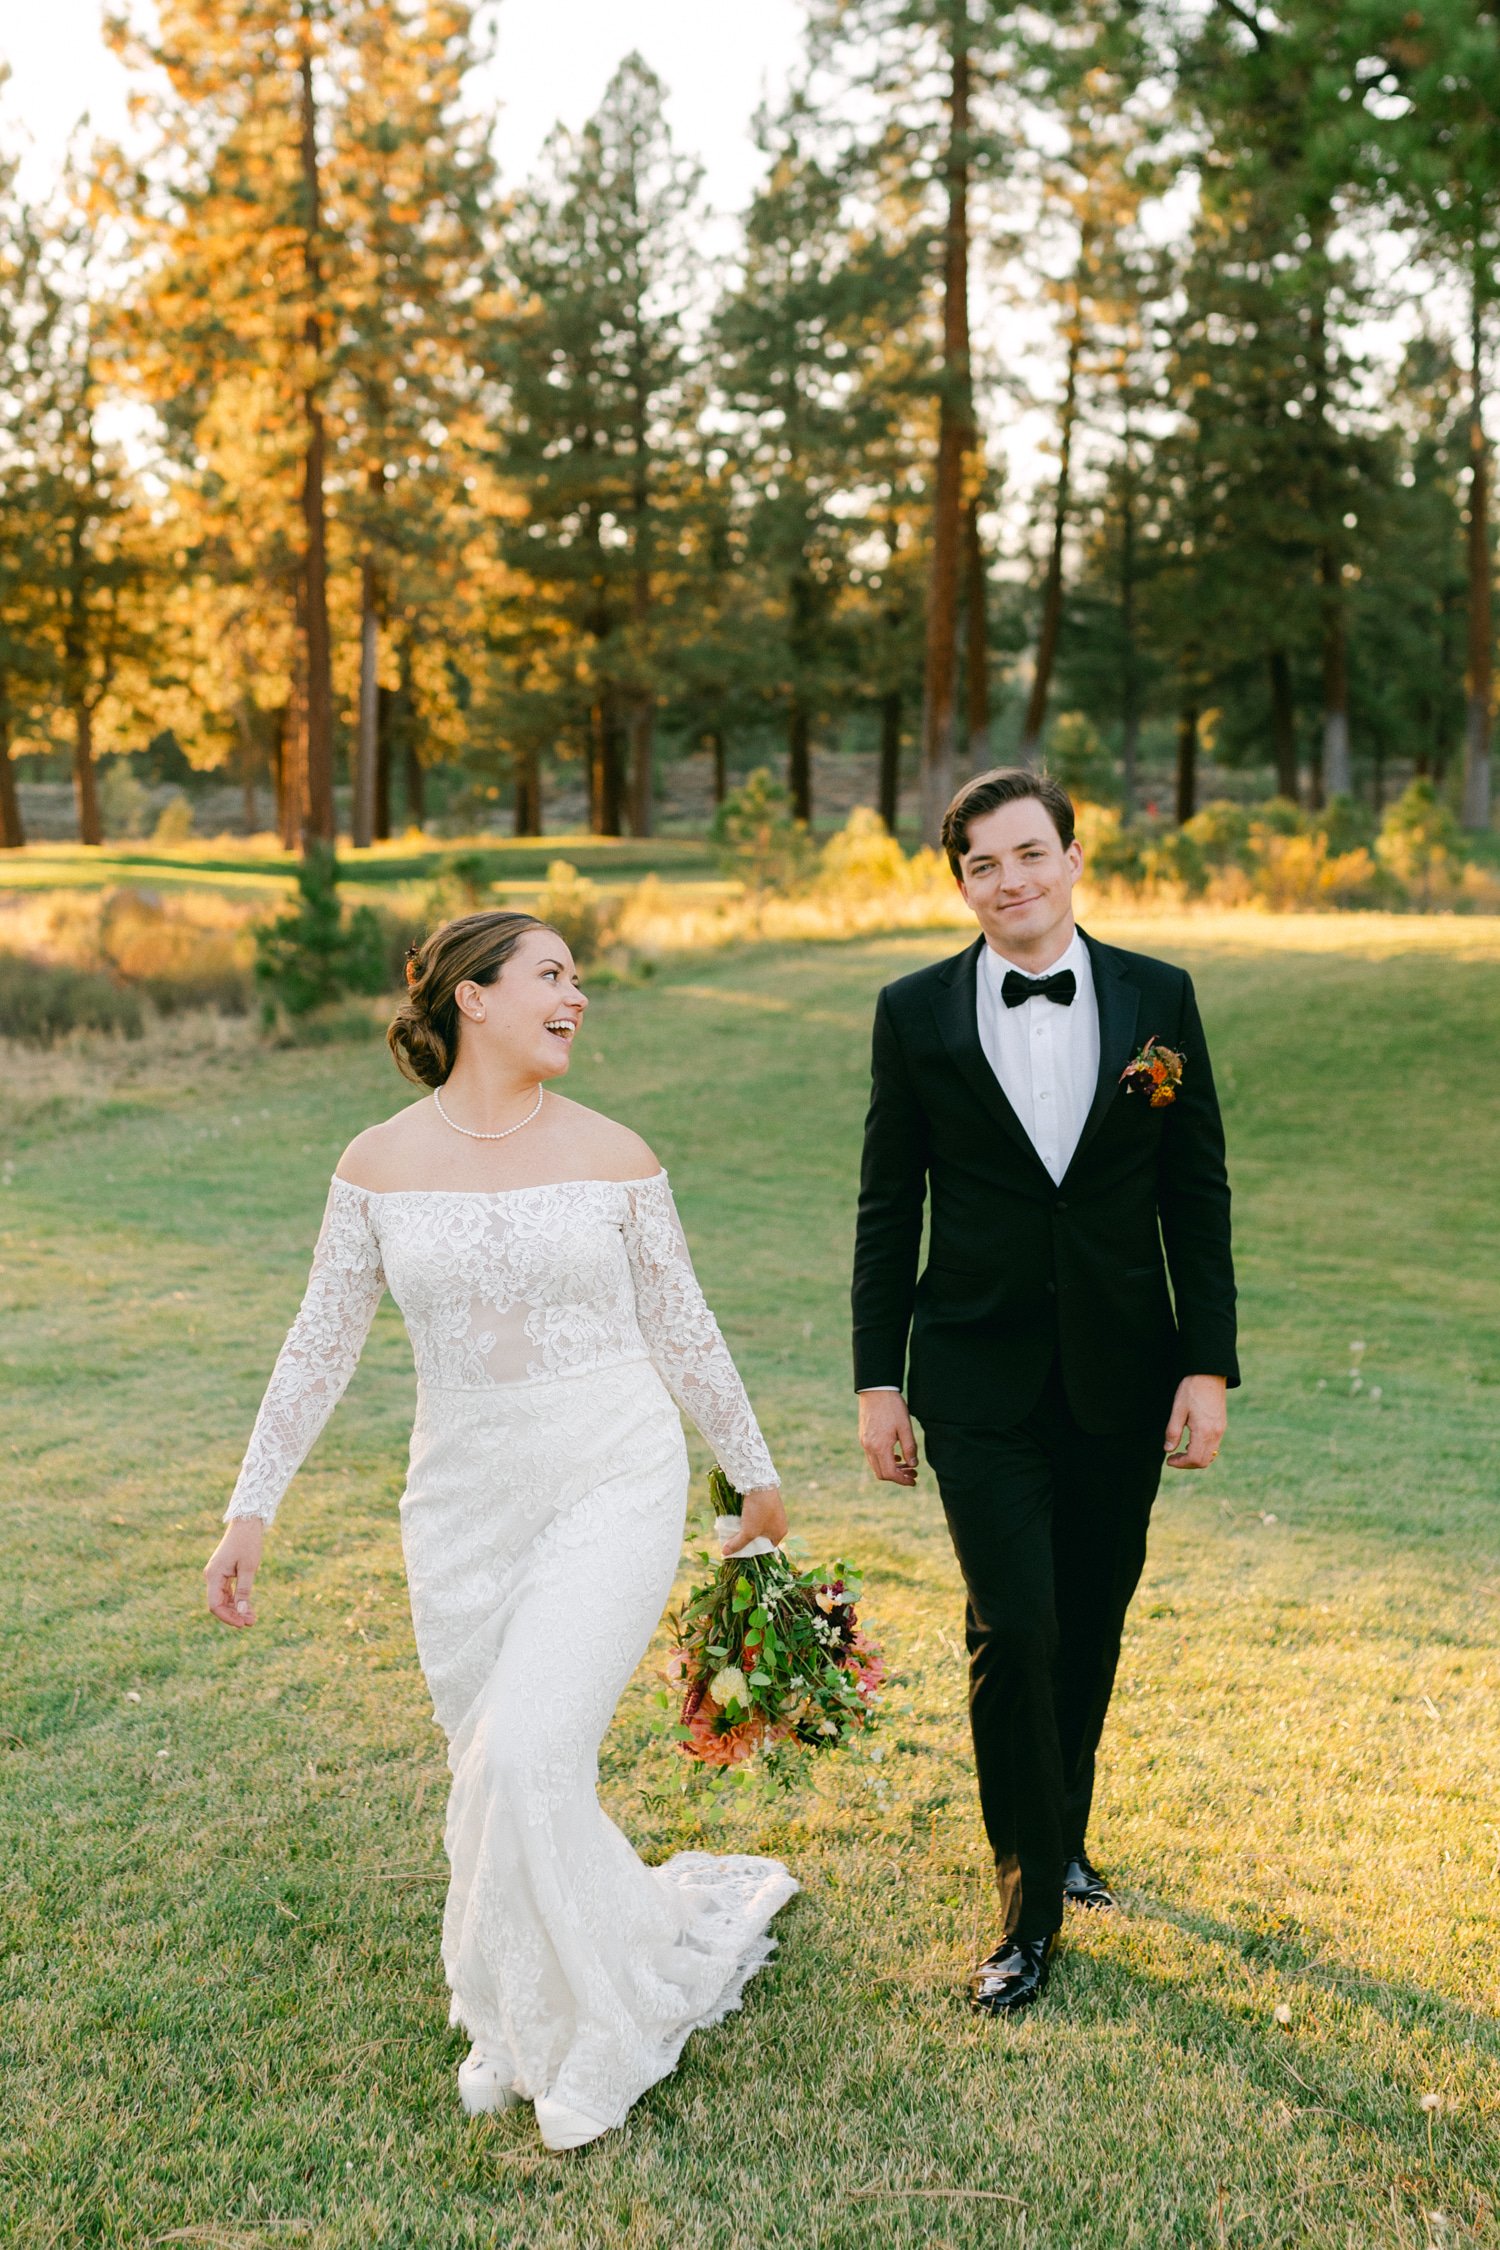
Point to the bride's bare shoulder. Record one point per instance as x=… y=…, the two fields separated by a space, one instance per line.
x=381 y=1156
x=601 y=1149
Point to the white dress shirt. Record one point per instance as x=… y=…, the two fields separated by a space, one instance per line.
x=1045 y=1057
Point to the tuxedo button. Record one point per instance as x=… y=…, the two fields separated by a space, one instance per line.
x=1062 y=1203
x=1052 y=1288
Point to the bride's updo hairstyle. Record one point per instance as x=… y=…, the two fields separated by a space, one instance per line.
x=423 y=1035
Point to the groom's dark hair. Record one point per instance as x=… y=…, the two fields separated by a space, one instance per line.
x=987 y=792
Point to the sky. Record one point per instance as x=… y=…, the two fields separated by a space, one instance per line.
x=718 y=59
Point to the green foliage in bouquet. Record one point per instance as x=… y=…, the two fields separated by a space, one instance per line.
x=767 y=1654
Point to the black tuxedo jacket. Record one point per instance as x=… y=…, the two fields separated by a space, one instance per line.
x=1018 y=1267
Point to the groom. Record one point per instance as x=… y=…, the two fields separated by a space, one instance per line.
x=1050 y=1368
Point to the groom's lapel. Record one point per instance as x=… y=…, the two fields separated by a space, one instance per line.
x=1119 y=1005
x=956 y=1006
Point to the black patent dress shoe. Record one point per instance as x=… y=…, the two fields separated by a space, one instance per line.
x=1085 y=1886
x=1012 y=1978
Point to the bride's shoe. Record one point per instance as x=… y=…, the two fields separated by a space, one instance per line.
x=483 y=2087
x=562 y=2128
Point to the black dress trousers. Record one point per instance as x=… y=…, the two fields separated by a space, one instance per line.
x=1049 y=1524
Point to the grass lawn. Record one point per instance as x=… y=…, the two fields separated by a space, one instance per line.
x=256 y=866
x=223 y=2013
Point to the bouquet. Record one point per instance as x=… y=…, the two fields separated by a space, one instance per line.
x=766 y=1654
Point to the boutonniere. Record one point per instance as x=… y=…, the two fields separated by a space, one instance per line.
x=1156 y=1071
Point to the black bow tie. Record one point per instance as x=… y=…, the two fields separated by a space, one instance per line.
x=1018 y=989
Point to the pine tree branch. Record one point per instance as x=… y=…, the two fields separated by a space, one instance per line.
x=1247 y=18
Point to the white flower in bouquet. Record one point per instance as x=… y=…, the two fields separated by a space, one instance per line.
x=730 y=1686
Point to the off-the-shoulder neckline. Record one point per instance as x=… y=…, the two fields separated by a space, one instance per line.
x=491 y=1195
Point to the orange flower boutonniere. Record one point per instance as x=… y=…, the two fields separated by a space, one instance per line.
x=1156 y=1071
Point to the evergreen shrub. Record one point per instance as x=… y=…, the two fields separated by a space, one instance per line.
x=461 y=884
x=1420 y=841
x=316 y=953
x=759 y=837
x=124 y=800
x=573 y=906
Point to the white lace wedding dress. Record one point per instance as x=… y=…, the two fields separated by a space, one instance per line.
x=542 y=1523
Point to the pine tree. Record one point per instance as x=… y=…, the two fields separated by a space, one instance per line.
x=1092 y=189
x=1430 y=82
x=935 y=65
x=23 y=312
x=589 y=358
x=814 y=371
x=76 y=586
x=410 y=184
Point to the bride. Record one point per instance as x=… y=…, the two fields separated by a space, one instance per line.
x=534 y=1250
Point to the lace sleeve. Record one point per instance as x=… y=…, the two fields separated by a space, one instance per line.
x=320 y=1354
x=683 y=1337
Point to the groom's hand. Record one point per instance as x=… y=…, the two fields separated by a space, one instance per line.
x=885 y=1432
x=1199 y=1418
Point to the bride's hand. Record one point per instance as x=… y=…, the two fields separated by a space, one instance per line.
x=229 y=1573
x=763 y=1517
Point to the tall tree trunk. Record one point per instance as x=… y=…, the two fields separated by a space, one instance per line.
x=12 y=827
x=416 y=780
x=955 y=444
x=249 y=810
x=1441 y=745
x=528 y=785
x=414 y=773
x=1052 y=591
x=1338 y=764
x=1283 y=724
x=1480 y=673
x=604 y=727
x=367 y=746
x=642 y=759
x=1130 y=655
x=604 y=765
x=76 y=647
x=976 y=640
x=385 y=713
x=719 y=751
x=320 y=826
x=890 y=758
x=1336 y=772
x=1187 y=757
x=799 y=759
x=285 y=766
x=642 y=724
x=85 y=781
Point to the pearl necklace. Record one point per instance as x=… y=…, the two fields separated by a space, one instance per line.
x=472 y=1136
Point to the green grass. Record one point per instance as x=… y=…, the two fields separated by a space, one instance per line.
x=222 y=2007
x=248 y=868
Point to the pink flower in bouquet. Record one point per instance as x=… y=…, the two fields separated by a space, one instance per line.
x=867 y=1664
